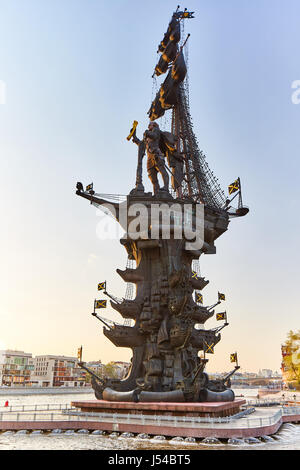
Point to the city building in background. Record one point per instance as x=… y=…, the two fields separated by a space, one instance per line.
x=114 y=369
x=20 y=369
x=121 y=368
x=265 y=373
x=57 y=371
x=97 y=367
x=15 y=368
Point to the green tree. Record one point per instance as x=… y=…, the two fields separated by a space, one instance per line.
x=291 y=358
x=88 y=378
x=110 y=371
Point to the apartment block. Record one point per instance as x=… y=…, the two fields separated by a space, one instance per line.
x=56 y=371
x=15 y=368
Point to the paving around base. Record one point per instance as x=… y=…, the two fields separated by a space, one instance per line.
x=264 y=418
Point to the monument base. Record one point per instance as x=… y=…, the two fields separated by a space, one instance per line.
x=205 y=409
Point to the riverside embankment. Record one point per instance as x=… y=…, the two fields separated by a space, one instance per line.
x=286 y=437
x=28 y=391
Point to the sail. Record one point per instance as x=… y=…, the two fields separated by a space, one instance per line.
x=168 y=46
x=161 y=67
x=156 y=111
x=168 y=92
x=172 y=34
x=189 y=161
x=179 y=69
x=167 y=96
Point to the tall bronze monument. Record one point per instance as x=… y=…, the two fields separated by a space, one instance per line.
x=164 y=323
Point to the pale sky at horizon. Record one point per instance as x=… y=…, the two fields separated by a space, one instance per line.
x=77 y=73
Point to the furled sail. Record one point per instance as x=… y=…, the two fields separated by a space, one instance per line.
x=167 y=96
x=156 y=111
x=179 y=68
x=172 y=34
x=168 y=46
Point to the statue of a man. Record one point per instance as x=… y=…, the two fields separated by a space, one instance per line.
x=155 y=157
x=159 y=145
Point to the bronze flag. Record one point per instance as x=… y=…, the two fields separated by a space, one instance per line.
x=233 y=357
x=233 y=187
x=209 y=348
x=221 y=316
x=102 y=285
x=79 y=354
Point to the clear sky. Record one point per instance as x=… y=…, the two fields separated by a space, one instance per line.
x=77 y=73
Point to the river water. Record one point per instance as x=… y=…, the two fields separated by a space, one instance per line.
x=288 y=437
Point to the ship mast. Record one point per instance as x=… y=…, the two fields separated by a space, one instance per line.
x=199 y=182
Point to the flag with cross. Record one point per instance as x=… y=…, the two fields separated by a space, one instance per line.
x=233 y=357
x=208 y=347
x=221 y=316
x=235 y=186
x=89 y=187
x=100 y=303
x=102 y=285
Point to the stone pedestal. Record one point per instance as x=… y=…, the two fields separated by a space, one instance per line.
x=215 y=409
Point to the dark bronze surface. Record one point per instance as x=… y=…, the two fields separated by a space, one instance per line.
x=165 y=365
